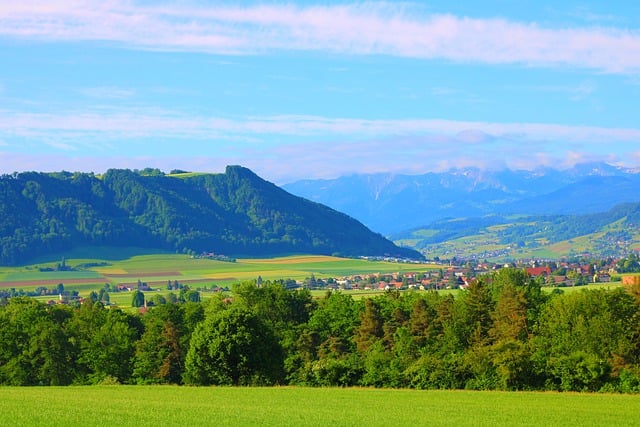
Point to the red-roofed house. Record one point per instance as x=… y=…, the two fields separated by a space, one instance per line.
x=538 y=271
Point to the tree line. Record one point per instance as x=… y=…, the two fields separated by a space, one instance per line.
x=502 y=333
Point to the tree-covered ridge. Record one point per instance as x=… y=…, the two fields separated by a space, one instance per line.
x=235 y=213
x=502 y=333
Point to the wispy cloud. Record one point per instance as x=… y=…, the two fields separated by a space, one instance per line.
x=321 y=160
x=444 y=91
x=361 y=28
x=106 y=92
x=586 y=14
x=311 y=146
x=414 y=156
x=583 y=90
x=575 y=92
x=154 y=123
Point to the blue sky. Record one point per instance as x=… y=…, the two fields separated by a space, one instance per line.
x=297 y=90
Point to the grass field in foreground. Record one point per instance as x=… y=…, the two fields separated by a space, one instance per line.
x=181 y=406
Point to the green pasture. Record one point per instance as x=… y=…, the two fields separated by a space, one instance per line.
x=332 y=266
x=187 y=174
x=590 y=286
x=577 y=245
x=158 y=269
x=426 y=232
x=50 y=275
x=280 y=406
x=541 y=253
x=487 y=241
x=124 y=299
x=96 y=254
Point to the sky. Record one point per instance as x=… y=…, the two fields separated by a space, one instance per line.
x=304 y=90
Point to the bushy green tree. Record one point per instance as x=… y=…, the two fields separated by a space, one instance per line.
x=583 y=338
x=36 y=348
x=233 y=347
x=137 y=300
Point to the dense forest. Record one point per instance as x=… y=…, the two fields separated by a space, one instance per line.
x=503 y=332
x=235 y=213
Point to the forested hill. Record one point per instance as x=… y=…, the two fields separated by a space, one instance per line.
x=235 y=213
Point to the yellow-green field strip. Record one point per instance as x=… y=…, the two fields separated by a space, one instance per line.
x=158 y=269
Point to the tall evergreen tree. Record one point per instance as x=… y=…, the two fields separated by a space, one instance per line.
x=370 y=329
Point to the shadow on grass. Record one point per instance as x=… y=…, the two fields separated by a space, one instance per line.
x=106 y=253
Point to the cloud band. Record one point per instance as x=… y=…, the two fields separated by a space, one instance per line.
x=360 y=29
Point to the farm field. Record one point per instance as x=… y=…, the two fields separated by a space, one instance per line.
x=157 y=269
x=173 y=406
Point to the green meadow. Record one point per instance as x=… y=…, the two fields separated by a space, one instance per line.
x=91 y=274
x=158 y=269
x=292 y=406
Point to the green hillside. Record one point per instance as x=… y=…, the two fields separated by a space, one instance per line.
x=610 y=234
x=235 y=213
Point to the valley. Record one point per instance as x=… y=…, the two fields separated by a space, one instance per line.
x=590 y=209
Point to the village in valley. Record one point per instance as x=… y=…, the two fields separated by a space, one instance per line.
x=457 y=274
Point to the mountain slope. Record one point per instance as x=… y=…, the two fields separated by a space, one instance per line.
x=235 y=213
x=609 y=234
x=588 y=195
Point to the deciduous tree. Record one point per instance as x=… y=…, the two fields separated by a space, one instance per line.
x=233 y=346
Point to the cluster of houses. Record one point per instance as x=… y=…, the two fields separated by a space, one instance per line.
x=452 y=276
x=455 y=274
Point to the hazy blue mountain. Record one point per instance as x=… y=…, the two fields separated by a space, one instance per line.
x=589 y=195
x=390 y=203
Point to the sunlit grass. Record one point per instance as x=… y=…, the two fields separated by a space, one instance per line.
x=179 y=406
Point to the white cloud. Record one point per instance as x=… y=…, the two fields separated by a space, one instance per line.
x=310 y=146
x=444 y=91
x=107 y=92
x=586 y=14
x=359 y=28
x=473 y=136
x=575 y=92
x=169 y=124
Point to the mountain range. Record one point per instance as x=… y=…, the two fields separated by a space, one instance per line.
x=396 y=203
x=235 y=213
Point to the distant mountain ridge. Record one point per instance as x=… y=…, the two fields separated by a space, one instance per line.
x=235 y=213
x=392 y=203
